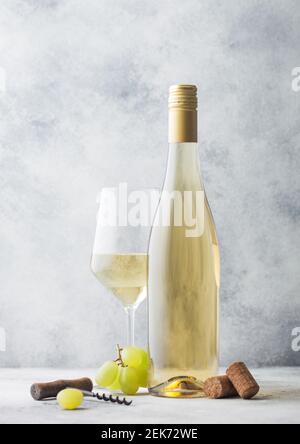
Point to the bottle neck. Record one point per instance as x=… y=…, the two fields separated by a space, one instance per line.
x=183 y=126
x=183 y=171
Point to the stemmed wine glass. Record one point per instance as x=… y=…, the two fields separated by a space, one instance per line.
x=119 y=256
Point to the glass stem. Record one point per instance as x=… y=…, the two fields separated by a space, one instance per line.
x=130 y=325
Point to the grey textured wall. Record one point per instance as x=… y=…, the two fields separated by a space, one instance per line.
x=85 y=106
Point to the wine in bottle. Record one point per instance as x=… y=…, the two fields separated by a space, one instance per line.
x=183 y=267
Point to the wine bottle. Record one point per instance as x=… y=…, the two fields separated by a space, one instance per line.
x=183 y=267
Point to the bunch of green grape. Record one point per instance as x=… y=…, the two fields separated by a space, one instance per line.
x=127 y=373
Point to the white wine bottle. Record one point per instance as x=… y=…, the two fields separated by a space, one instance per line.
x=183 y=268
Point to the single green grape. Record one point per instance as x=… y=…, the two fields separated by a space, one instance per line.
x=116 y=384
x=107 y=374
x=129 y=380
x=135 y=357
x=70 y=399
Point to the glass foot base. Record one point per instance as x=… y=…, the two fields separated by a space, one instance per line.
x=179 y=387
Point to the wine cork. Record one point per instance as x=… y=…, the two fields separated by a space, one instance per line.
x=43 y=390
x=242 y=380
x=219 y=387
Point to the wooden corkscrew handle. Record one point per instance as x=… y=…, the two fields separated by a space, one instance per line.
x=44 y=390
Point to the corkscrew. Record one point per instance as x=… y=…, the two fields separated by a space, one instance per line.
x=49 y=390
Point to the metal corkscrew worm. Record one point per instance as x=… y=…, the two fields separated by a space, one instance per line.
x=107 y=398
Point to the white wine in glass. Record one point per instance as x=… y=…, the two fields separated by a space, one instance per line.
x=119 y=258
x=125 y=275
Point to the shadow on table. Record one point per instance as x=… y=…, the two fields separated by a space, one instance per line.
x=279 y=394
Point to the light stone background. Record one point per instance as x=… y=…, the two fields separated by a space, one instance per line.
x=85 y=106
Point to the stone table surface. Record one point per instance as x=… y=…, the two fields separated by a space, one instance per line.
x=277 y=403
